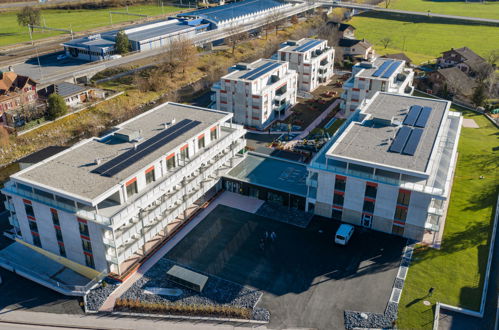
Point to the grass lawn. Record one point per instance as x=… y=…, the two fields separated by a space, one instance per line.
x=77 y=19
x=422 y=39
x=457 y=270
x=458 y=8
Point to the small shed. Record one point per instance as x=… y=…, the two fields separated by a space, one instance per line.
x=187 y=278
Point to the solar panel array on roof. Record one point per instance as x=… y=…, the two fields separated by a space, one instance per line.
x=400 y=140
x=382 y=68
x=261 y=70
x=308 y=45
x=412 y=116
x=423 y=117
x=126 y=159
x=413 y=142
x=255 y=70
x=391 y=69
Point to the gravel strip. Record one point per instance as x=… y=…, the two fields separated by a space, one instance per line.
x=97 y=296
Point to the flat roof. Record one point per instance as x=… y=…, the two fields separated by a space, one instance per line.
x=42 y=154
x=303 y=45
x=233 y=10
x=368 y=141
x=72 y=171
x=272 y=173
x=382 y=68
x=85 y=41
x=254 y=70
x=158 y=31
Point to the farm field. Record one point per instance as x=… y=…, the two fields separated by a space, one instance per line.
x=458 y=8
x=422 y=38
x=457 y=270
x=76 y=19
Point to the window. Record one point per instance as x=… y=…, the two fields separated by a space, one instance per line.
x=371 y=190
x=340 y=183
x=55 y=217
x=131 y=188
x=337 y=214
x=400 y=213
x=397 y=230
x=213 y=133
x=58 y=234
x=62 y=250
x=83 y=227
x=170 y=162
x=184 y=152
x=404 y=197
x=150 y=176
x=89 y=260
x=36 y=240
x=368 y=206
x=29 y=210
x=338 y=199
x=201 y=144
x=87 y=246
x=33 y=226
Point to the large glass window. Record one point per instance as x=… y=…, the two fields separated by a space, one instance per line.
x=170 y=163
x=131 y=189
x=337 y=214
x=58 y=234
x=397 y=230
x=83 y=228
x=36 y=240
x=62 y=250
x=404 y=197
x=29 y=210
x=338 y=199
x=89 y=261
x=87 y=246
x=33 y=226
x=213 y=134
x=400 y=213
x=371 y=190
x=201 y=144
x=55 y=217
x=368 y=206
x=340 y=183
x=150 y=176
x=184 y=153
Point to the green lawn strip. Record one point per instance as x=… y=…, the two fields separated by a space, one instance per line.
x=77 y=19
x=458 y=8
x=457 y=270
x=423 y=40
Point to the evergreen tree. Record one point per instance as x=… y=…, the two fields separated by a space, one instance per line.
x=56 y=107
x=122 y=45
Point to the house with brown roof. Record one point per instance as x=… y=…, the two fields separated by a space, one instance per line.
x=345 y=30
x=463 y=58
x=451 y=81
x=399 y=56
x=17 y=95
x=362 y=49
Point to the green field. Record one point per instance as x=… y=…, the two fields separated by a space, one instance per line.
x=458 y=8
x=76 y=19
x=422 y=39
x=457 y=270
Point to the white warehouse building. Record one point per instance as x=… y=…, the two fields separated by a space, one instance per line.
x=312 y=59
x=101 y=201
x=257 y=93
x=389 y=167
x=379 y=75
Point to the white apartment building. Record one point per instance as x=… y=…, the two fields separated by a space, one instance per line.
x=312 y=59
x=389 y=167
x=256 y=93
x=379 y=75
x=99 y=202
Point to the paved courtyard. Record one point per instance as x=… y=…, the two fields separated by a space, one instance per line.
x=307 y=280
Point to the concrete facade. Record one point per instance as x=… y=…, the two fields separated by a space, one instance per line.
x=363 y=84
x=312 y=59
x=103 y=230
x=256 y=93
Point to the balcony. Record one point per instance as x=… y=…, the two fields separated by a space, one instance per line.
x=216 y=87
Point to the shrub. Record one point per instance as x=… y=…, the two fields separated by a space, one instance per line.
x=56 y=106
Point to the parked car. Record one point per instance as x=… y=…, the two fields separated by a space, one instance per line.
x=114 y=57
x=62 y=57
x=343 y=234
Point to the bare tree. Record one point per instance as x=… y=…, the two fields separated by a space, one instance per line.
x=236 y=34
x=187 y=53
x=386 y=41
x=277 y=18
x=331 y=33
x=387 y=3
x=4 y=137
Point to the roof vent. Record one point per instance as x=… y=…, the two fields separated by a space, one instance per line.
x=366 y=65
x=128 y=135
x=97 y=161
x=291 y=43
x=242 y=66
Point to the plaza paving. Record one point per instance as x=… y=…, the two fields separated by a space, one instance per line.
x=307 y=280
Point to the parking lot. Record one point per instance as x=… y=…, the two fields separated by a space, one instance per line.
x=307 y=280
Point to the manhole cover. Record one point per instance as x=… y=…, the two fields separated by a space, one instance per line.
x=426 y=303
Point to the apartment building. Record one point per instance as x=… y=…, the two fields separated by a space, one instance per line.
x=312 y=59
x=103 y=200
x=256 y=93
x=389 y=167
x=379 y=75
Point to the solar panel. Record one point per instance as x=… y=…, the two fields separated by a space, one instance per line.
x=412 y=116
x=252 y=72
x=298 y=49
x=400 y=140
x=126 y=159
x=391 y=69
x=413 y=142
x=382 y=68
x=423 y=117
x=310 y=45
x=262 y=72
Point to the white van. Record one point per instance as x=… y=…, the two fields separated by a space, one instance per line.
x=343 y=234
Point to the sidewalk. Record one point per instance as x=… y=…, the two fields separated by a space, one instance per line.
x=234 y=200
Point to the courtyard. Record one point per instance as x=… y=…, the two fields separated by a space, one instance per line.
x=306 y=280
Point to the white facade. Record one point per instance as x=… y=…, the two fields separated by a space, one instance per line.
x=257 y=93
x=361 y=188
x=312 y=59
x=101 y=220
x=362 y=85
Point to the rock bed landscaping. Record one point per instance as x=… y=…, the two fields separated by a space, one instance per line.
x=387 y=320
x=217 y=291
x=97 y=296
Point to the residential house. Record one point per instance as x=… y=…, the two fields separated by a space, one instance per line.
x=463 y=58
x=399 y=56
x=17 y=95
x=451 y=82
x=357 y=48
x=346 y=31
x=72 y=94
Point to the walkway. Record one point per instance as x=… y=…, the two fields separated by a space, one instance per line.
x=317 y=120
x=248 y=204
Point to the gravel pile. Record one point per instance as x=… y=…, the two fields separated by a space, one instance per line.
x=97 y=296
x=217 y=291
x=373 y=320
